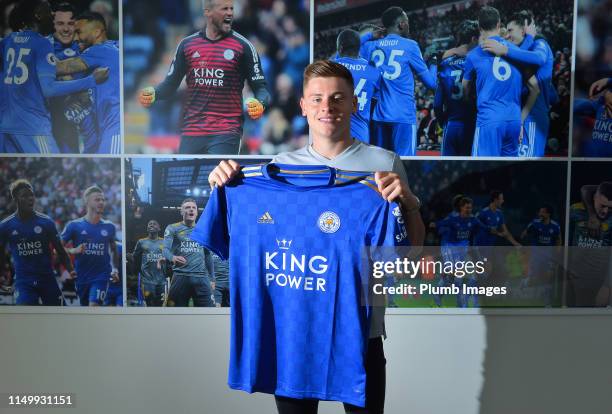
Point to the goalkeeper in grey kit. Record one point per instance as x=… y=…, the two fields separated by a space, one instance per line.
x=192 y=265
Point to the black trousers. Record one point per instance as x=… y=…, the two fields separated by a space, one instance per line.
x=228 y=144
x=375 y=388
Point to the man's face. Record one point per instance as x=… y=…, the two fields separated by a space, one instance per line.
x=153 y=227
x=466 y=210
x=543 y=214
x=189 y=211
x=64 y=27
x=45 y=18
x=404 y=25
x=602 y=205
x=220 y=15
x=499 y=201
x=86 y=33
x=515 y=33
x=96 y=203
x=328 y=104
x=25 y=200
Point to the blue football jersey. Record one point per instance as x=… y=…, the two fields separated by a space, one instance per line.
x=450 y=89
x=26 y=55
x=30 y=245
x=542 y=234
x=498 y=85
x=3 y=96
x=544 y=74
x=62 y=51
x=294 y=237
x=458 y=231
x=366 y=79
x=94 y=264
x=106 y=96
x=600 y=142
x=397 y=58
x=491 y=220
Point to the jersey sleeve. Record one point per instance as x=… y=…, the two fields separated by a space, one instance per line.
x=67 y=233
x=386 y=227
x=46 y=74
x=251 y=65
x=52 y=230
x=584 y=107
x=168 y=241
x=535 y=57
x=427 y=76
x=468 y=68
x=93 y=57
x=175 y=75
x=212 y=229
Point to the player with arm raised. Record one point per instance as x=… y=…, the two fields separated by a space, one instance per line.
x=449 y=105
x=98 y=51
x=215 y=63
x=367 y=81
x=192 y=266
x=91 y=239
x=397 y=57
x=498 y=91
x=31 y=236
x=534 y=52
x=28 y=74
x=147 y=256
x=599 y=144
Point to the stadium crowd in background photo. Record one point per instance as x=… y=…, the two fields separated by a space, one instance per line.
x=276 y=30
x=58 y=185
x=434 y=26
x=61 y=77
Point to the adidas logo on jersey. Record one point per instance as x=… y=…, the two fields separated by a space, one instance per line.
x=265 y=219
x=196 y=54
x=84 y=232
x=15 y=233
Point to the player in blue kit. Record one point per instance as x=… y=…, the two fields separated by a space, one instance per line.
x=367 y=81
x=599 y=144
x=28 y=73
x=114 y=292
x=91 y=239
x=397 y=57
x=457 y=232
x=31 y=236
x=98 y=51
x=449 y=104
x=537 y=55
x=64 y=47
x=498 y=94
x=543 y=235
x=327 y=104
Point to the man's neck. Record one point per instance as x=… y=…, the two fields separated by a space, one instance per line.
x=490 y=33
x=212 y=33
x=23 y=215
x=331 y=149
x=93 y=218
x=188 y=223
x=493 y=207
x=546 y=221
x=153 y=236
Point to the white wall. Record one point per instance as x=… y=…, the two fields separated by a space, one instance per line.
x=463 y=364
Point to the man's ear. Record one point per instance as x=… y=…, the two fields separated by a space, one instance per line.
x=303 y=106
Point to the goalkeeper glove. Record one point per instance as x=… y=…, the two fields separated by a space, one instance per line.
x=255 y=109
x=147 y=96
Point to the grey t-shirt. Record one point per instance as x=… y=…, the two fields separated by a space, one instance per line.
x=148 y=252
x=177 y=242
x=358 y=157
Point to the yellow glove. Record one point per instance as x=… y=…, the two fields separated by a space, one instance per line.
x=146 y=97
x=255 y=108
